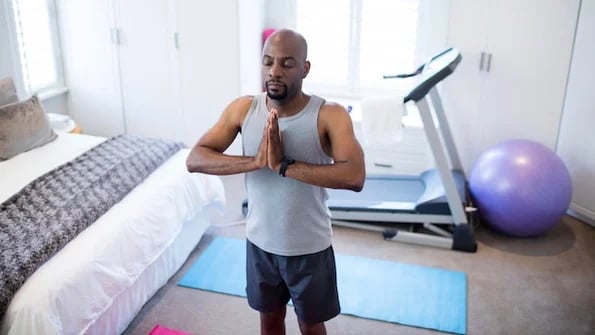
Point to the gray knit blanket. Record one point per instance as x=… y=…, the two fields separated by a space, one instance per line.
x=45 y=215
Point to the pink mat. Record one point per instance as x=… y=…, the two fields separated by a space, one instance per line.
x=160 y=330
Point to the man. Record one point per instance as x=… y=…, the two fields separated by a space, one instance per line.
x=295 y=146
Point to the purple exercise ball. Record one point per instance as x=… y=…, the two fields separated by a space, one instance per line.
x=522 y=188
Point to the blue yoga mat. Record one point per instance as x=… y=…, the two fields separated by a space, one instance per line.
x=407 y=294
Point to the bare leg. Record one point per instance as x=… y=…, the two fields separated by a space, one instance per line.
x=312 y=328
x=273 y=323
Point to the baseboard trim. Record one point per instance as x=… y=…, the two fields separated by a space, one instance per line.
x=582 y=213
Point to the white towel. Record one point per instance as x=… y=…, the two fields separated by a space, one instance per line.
x=381 y=120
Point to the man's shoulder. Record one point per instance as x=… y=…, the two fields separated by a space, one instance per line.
x=332 y=107
x=332 y=114
x=244 y=100
x=242 y=104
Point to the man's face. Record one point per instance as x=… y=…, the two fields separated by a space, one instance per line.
x=279 y=73
x=283 y=72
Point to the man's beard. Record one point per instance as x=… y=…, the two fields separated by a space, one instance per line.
x=277 y=95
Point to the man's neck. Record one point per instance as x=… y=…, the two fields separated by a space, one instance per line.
x=290 y=107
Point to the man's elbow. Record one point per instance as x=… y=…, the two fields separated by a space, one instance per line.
x=189 y=165
x=357 y=187
x=357 y=182
x=192 y=163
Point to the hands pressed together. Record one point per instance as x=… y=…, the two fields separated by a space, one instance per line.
x=270 y=152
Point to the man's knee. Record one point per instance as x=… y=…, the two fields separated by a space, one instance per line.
x=273 y=322
x=312 y=328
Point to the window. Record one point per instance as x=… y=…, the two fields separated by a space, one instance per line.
x=35 y=39
x=353 y=43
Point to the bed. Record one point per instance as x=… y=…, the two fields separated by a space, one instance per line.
x=98 y=282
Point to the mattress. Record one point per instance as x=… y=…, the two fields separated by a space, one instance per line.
x=99 y=281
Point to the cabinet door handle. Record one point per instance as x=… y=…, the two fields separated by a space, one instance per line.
x=176 y=40
x=481 y=60
x=383 y=165
x=489 y=65
x=115 y=34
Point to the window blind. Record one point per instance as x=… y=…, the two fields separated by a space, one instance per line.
x=37 y=44
x=352 y=44
x=387 y=41
x=326 y=26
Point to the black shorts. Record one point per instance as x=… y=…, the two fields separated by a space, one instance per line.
x=309 y=280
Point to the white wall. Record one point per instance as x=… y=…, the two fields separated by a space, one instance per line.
x=250 y=11
x=56 y=104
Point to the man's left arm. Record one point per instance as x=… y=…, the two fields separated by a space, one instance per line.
x=347 y=170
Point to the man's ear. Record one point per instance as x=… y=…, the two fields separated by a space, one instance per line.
x=306 y=68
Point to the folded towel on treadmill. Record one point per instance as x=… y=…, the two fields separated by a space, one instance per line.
x=381 y=120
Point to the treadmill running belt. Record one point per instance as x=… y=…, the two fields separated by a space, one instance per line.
x=390 y=193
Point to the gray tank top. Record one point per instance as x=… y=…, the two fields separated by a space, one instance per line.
x=285 y=216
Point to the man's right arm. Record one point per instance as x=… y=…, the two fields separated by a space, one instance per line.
x=207 y=155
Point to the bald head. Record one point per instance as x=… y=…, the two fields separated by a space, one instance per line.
x=288 y=40
x=284 y=64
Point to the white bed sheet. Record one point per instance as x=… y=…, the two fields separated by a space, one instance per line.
x=20 y=170
x=73 y=290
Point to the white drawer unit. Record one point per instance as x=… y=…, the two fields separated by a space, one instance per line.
x=411 y=156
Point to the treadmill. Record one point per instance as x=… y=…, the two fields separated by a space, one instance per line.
x=435 y=203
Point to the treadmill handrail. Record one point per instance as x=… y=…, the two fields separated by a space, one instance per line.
x=450 y=58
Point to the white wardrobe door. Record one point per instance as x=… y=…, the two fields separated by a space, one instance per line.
x=209 y=63
x=146 y=55
x=531 y=43
x=576 y=144
x=90 y=66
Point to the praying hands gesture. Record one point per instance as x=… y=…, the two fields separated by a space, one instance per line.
x=270 y=152
x=274 y=141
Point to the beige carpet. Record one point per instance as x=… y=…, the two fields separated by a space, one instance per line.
x=542 y=285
